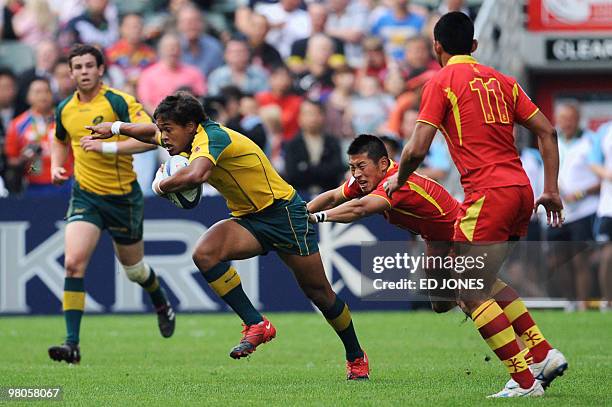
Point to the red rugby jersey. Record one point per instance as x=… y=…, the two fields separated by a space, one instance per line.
x=476 y=108
x=421 y=205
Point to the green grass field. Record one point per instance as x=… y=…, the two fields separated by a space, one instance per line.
x=416 y=359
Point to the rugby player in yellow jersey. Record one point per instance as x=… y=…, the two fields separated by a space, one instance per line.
x=105 y=194
x=267 y=214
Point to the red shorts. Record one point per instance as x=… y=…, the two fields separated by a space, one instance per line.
x=495 y=214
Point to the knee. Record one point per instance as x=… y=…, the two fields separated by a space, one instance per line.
x=138 y=272
x=74 y=266
x=205 y=259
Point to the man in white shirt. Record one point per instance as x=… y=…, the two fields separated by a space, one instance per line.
x=579 y=188
x=288 y=24
x=601 y=163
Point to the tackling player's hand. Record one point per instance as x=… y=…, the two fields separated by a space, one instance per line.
x=89 y=144
x=551 y=202
x=101 y=130
x=391 y=185
x=58 y=175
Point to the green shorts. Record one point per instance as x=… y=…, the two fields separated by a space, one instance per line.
x=122 y=215
x=283 y=227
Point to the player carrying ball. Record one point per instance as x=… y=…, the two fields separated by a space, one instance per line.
x=267 y=215
x=476 y=108
x=421 y=206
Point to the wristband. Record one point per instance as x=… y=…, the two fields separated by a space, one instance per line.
x=320 y=216
x=116 y=128
x=579 y=195
x=110 y=148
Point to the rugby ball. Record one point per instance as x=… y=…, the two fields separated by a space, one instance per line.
x=188 y=198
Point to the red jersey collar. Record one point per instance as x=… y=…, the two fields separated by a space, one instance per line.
x=462 y=59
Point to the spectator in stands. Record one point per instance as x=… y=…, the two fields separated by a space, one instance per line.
x=8 y=91
x=129 y=56
x=316 y=82
x=437 y=163
x=395 y=84
x=241 y=114
x=168 y=75
x=600 y=160
x=238 y=71
x=337 y=120
x=393 y=146
x=250 y=122
x=397 y=25
x=28 y=144
x=297 y=59
x=455 y=5
x=375 y=63
x=288 y=23
x=47 y=54
x=62 y=82
x=370 y=107
x=271 y=116
x=199 y=49
x=262 y=53
x=281 y=94
x=35 y=22
x=579 y=188
x=347 y=21
x=313 y=159
x=417 y=58
x=7 y=10
x=66 y=10
x=427 y=30
x=98 y=25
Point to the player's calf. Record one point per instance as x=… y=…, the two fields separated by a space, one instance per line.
x=144 y=275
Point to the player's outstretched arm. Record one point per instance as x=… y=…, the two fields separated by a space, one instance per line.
x=413 y=154
x=145 y=132
x=547 y=143
x=127 y=147
x=326 y=200
x=352 y=210
x=192 y=176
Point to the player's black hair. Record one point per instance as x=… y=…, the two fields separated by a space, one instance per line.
x=455 y=32
x=83 y=49
x=367 y=143
x=181 y=108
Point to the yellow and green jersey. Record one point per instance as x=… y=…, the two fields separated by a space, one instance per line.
x=102 y=174
x=242 y=173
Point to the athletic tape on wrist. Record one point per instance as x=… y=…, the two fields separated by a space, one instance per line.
x=116 y=128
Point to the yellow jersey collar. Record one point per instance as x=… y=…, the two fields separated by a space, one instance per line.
x=102 y=90
x=462 y=59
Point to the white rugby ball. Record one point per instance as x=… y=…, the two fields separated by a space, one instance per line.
x=188 y=198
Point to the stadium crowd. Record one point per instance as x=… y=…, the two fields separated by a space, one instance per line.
x=300 y=78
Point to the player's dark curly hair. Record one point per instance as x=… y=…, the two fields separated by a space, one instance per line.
x=455 y=32
x=367 y=143
x=181 y=108
x=83 y=49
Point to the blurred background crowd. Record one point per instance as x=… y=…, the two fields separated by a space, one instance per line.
x=300 y=78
